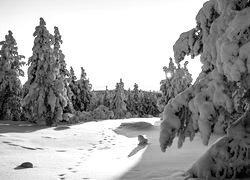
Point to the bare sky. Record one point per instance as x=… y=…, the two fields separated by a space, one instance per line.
x=110 y=39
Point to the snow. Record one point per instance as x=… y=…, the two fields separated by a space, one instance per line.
x=93 y=150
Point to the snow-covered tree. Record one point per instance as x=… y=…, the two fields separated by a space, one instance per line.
x=136 y=100
x=106 y=98
x=45 y=98
x=73 y=88
x=10 y=84
x=129 y=101
x=81 y=90
x=118 y=103
x=64 y=74
x=220 y=96
x=84 y=95
x=149 y=104
x=177 y=80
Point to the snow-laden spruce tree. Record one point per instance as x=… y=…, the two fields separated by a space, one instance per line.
x=81 y=90
x=45 y=98
x=118 y=104
x=136 y=100
x=106 y=98
x=84 y=95
x=220 y=97
x=177 y=80
x=64 y=74
x=10 y=84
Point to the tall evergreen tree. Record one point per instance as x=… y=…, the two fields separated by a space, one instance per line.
x=10 y=84
x=63 y=72
x=44 y=101
x=118 y=103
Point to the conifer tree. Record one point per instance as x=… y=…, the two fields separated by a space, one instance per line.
x=45 y=100
x=63 y=72
x=129 y=101
x=84 y=95
x=106 y=98
x=10 y=84
x=177 y=80
x=118 y=103
x=73 y=88
x=136 y=100
x=81 y=90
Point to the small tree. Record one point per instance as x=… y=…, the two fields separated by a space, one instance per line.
x=129 y=101
x=118 y=102
x=10 y=84
x=106 y=98
x=73 y=88
x=177 y=80
x=136 y=100
x=44 y=101
x=82 y=95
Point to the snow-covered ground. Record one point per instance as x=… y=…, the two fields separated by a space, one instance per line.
x=93 y=150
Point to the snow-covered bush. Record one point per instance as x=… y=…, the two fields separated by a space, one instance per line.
x=102 y=112
x=81 y=116
x=10 y=84
x=220 y=95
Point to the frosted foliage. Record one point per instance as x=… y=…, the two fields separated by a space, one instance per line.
x=177 y=80
x=118 y=103
x=46 y=95
x=218 y=97
x=81 y=91
x=10 y=84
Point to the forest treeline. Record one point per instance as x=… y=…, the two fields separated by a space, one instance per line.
x=53 y=94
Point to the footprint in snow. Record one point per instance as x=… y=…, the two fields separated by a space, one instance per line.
x=61 y=151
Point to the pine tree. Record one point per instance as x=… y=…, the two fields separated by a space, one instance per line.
x=10 y=84
x=44 y=101
x=106 y=98
x=64 y=74
x=129 y=101
x=84 y=95
x=136 y=100
x=81 y=90
x=177 y=80
x=73 y=88
x=118 y=103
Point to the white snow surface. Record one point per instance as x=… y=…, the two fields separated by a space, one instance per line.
x=93 y=150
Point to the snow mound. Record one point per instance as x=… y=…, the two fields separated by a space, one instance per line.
x=136 y=126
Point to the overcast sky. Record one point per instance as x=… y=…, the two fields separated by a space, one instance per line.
x=110 y=39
